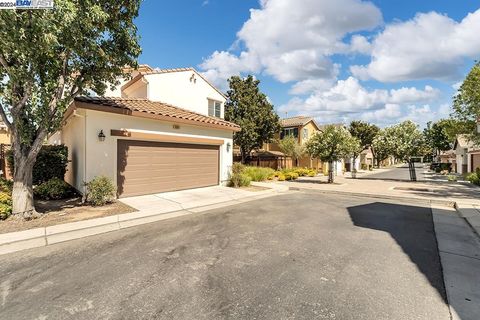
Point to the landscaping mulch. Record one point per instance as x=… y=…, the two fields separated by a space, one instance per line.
x=254 y=188
x=63 y=211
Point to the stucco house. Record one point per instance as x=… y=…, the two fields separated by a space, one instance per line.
x=461 y=146
x=163 y=130
x=301 y=128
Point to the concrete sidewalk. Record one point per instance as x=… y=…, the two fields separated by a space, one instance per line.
x=150 y=209
x=459 y=250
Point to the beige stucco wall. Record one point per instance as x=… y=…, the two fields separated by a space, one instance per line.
x=137 y=90
x=4 y=136
x=80 y=134
x=176 y=88
x=73 y=136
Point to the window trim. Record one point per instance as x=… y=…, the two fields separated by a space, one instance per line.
x=214 y=114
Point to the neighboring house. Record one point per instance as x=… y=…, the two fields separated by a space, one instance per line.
x=162 y=131
x=5 y=142
x=461 y=146
x=448 y=156
x=301 y=128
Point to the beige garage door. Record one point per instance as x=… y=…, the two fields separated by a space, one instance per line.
x=145 y=167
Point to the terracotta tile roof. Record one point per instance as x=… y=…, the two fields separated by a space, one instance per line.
x=159 y=109
x=295 y=121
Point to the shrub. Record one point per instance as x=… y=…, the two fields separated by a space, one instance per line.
x=53 y=189
x=452 y=177
x=364 y=166
x=5 y=198
x=100 y=191
x=473 y=178
x=302 y=172
x=291 y=175
x=237 y=167
x=312 y=173
x=258 y=173
x=51 y=163
x=281 y=177
x=239 y=180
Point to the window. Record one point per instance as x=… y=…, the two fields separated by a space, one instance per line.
x=305 y=133
x=289 y=132
x=214 y=108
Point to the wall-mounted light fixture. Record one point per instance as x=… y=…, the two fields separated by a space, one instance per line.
x=101 y=136
x=228 y=146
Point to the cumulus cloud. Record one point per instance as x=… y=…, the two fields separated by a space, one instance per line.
x=429 y=46
x=348 y=100
x=293 y=40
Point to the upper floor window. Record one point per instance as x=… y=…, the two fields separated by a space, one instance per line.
x=305 y=133
x=293 y=132
x=214 y=108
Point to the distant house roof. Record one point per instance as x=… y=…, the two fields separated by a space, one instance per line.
x=297 y=121
x=155 y=110
x=267 y=154
x=462 y=141
x=162 y=71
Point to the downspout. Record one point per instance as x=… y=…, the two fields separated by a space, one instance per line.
x=84 y=196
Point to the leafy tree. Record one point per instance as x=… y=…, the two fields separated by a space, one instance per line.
x=436 y=137
x=406 y=142
x=382 y=145
x=250 y=109
x=466 y=103
x=290 y=147
x=365 y=133
x=454 y=127
x=331 y=144
x=47 y=58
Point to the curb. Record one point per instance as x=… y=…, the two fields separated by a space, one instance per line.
x=446 y=203
x=41 y=237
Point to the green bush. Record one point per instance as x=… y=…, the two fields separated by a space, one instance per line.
x=237 y=167
x=291 y=175
x=258 y=173
x=5 y=198
x=452 y=177
x=238 y=180
x=281 y=177
x=51 y=163
x=312 y=173
x=53 y=189
x=100 y=191
x=473 y=178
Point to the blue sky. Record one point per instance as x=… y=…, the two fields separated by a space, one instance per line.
x=380 y=61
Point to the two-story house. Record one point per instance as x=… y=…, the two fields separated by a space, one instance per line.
x=301 y=128
x=162 y=130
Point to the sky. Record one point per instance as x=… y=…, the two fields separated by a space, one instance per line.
x=335 y=60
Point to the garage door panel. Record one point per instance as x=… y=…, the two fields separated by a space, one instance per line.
x=152 y=167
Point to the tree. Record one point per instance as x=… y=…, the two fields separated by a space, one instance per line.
x=290 y=147
x=406 y=141
x=331 y=144
x=250 y=109
x=466 y=103
x=365 y=133
x=382 y=146
x=47 y=58
x=436 y=137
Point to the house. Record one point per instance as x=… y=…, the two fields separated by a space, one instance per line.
x=5 y=143
x=301 y=128
x=163 y=130
x=461 y=146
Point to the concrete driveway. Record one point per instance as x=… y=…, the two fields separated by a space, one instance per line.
x=294 y=256
x=186 y=199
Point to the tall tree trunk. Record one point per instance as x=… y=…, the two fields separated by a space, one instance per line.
x=22 y=193
x=330 y=172
x=24 y=159
x=353 y=169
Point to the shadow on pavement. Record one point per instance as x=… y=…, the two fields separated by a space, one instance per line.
x=412 y=228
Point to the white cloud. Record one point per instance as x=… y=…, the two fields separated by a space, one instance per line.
x=430 y=46
x=293 y=40
x=348 y=100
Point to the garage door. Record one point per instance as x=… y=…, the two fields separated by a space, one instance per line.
x=145 y=167
x=475 y=162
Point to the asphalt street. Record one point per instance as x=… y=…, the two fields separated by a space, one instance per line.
x=399 y=173
x=300 y=255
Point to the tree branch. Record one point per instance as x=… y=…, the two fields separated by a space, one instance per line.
x=5 y=119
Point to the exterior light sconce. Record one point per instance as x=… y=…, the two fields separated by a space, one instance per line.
x=101 y=136
x=228 y=146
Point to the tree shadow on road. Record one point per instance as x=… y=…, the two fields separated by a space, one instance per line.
x=412 y=228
